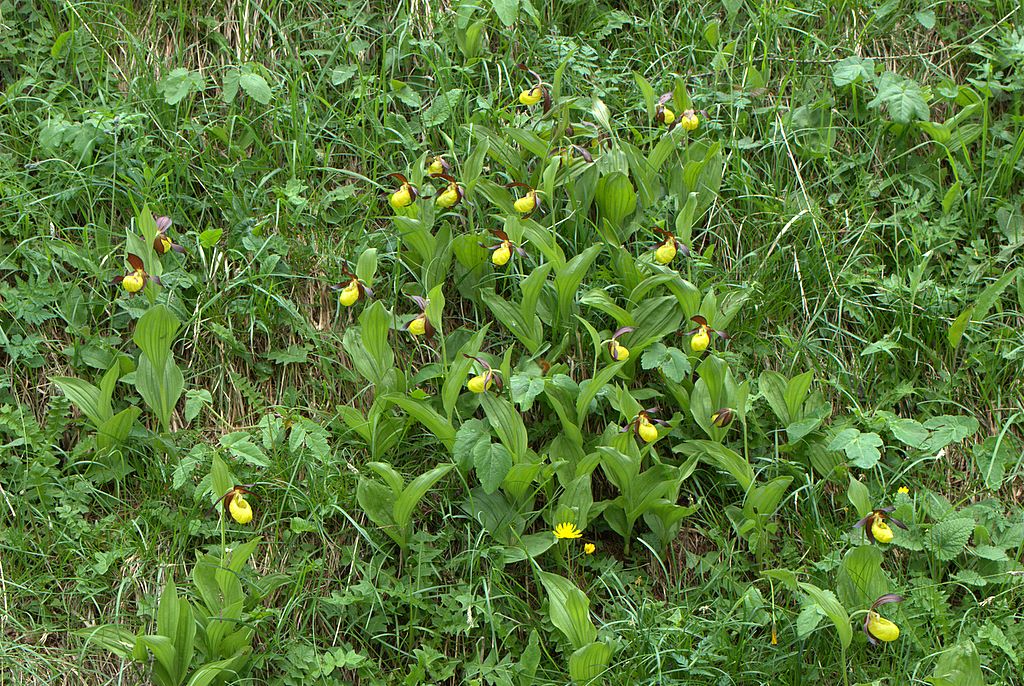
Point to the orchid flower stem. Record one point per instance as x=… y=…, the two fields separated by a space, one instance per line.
x=843 y=666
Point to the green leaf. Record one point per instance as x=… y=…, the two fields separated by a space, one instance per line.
x=958 y=666
x=721 y=457
x=860 y=579
x=155 y=333
x=833 y=609
x=412 y=495
x=195 y=401
x=862 y=449
x=957 y=328
x=84 y=395
x=991 y=457
x=241 y=447
x=507 y=11
x=909 y=432
x=949 y=429
x=471 y=432
x=569 y=610
x=255 y=86
x=115 y=430
x=507 y=423
x=377 y=501
x=903 y=98
x=949 y=537
x=440 y=110
x=590 y=389
x=858 y=495
x=179 y=84
x=589 y=662
x=853 y=69
x=492 y=462
x=672 y=362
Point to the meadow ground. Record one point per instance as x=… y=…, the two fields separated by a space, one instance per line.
x=665 y=300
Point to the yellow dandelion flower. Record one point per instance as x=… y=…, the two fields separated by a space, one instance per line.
x=567 y=530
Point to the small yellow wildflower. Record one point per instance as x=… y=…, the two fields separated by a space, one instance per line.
x=904 y=490
x=589 y=548
x=567 y=530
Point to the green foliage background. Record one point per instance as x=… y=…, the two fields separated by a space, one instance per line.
x=867 y=227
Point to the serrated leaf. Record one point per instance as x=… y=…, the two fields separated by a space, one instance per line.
x=948 y=538
x=256 y=87
x=903 y=98
x=440 y=110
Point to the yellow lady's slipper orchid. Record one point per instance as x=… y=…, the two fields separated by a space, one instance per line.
x=668 y=116
x=723 y=417
x=162 y=244
x=134 y=282
x=532 y=96
x=451 y=195
x=240 y=509
x=877 y=528
x=236 y=505
x=502 y=254
x=418 y=326
x=689 y=120
x=700 y=341
x=528 y=203
x=617 y=351
x=480 y=383
x=666 y=252
x=403 y=197
x=647 y=431
x=502 y=251
x=882 y=629
x=438 y=166
x=881 y=531
x=878 y=628
x=567 y=530
x=701 y=336
x=644 y=426
x=349 y=294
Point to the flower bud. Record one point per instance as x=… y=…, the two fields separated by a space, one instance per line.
x=240 y=510
x=531 y=97
x=502 y=254
x=722 y=418
x=882 y=629
x=666 y=252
